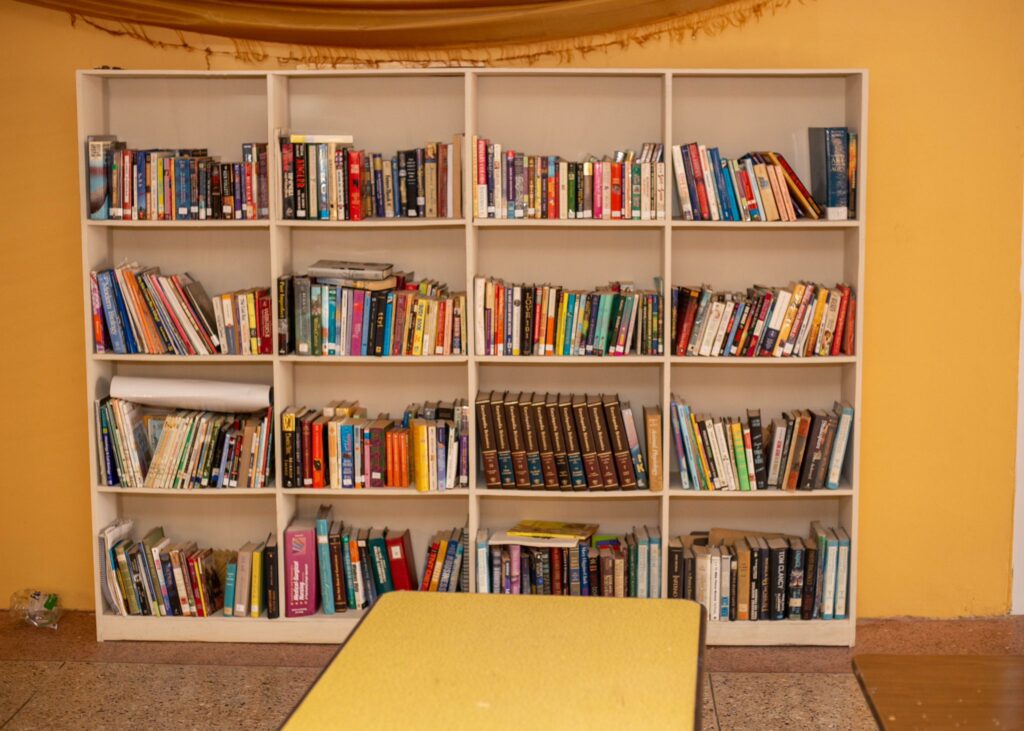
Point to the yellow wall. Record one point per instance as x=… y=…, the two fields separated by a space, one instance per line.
x=943 y=260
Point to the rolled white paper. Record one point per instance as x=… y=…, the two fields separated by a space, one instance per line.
x=181 y=393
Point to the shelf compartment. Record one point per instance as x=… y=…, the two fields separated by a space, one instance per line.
x=169 y=358
x=677 y=492
x=701 y=360
x=516 y=494
x=218 y=628
x=236 y=492
x=213 y=223
x=542 y=360
x=375 y=223
x=375 y=492
x=833 y=632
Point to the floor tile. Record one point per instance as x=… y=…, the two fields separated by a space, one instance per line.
x=18 y=681
x=137 y=695
x=708 y=717
x=776 y=701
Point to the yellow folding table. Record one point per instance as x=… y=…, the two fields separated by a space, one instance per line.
x=483 y=661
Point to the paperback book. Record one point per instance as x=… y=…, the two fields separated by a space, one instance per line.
x=526 y=319
x=803 y=449
x=175 y=184
x=741 y=575
x=624 y=186
x=339 y=447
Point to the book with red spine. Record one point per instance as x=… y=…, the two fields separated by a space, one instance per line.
x=698 y=178
x=616 y=189
x=850 y=328
x=837 y=336
x=355 y=193
x=317 y=432
x=264 y=315
x=400 y=558
x=431 y=561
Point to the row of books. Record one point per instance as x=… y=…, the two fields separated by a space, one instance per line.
x=337 y=567
x=801 y=450
x=182 y=449
x=802 y=320
x=626 y=185
x=175 y=185
x=323 y=179
x=566 y=442
x=136 y=309
x=326 y=313
x=159 y=577
x=759 y=186
x=536 y=557
x=525 y=319
x=748 y=576
x=339 y=447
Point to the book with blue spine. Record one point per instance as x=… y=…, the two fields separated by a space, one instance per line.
x=131 y=345
x=722 y=194
x=109 y=458
x=323 y=557
x=737 y=318
x=397 y=173
x=389 y=315
x=229 y=588
x=731 y=194
x=167 y=568
x=584 y=551
x=346 y=563
x=365 y=342
x=654 y=543
x=842 y=572
x=829 y=162
x=844 y=411
x=441 y=432
x=455 y=576
x=322 y=184
x=449 y=560
x=347 y=453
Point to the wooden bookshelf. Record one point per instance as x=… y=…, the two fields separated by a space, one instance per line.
x=569 y=112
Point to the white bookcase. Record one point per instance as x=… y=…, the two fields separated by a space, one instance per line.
x=569 y=112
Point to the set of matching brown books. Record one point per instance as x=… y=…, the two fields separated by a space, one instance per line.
x=566 y=442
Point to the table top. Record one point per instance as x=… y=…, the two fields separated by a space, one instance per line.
x=513 y=662
x=943 y=691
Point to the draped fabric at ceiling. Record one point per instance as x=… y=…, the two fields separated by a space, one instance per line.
x=410 y=30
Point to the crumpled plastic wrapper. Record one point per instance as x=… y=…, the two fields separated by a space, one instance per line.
x=38 y=608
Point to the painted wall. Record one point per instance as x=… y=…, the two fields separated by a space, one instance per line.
x=943 y=264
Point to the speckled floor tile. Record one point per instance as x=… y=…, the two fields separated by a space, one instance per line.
x=18 y=681
x=708 y=717
x=135 y=695
x=75 y=639
x=777 y=701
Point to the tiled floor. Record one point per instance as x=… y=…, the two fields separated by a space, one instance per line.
x=64 y=679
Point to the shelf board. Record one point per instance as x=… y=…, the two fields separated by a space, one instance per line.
x=705 y=360
x=541 y=360
x=374 y=360
x=145 y=358
x=319 y=628
x=677 y=492
x=803 y=223
x=514 y=494
x=375 y=492
x=835 y=632
x=564 y=223
x=198 y=492
x=371 y=223
x=214 y=223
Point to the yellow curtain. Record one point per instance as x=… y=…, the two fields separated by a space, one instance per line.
x=427 y=26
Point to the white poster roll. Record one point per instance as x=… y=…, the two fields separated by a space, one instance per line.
x=181 y=393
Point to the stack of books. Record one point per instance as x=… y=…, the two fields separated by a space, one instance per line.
x=571 y=559
x=624 y=186
x=802 y=320
x=368 y=309
x=801 y=450
x=182 y=449
x=542 y=319
x=160 y=578
x=323 y=179
x=749 y=575
x=339 y=447
x=337 y=567
x=137 y=309
x=175 y=185
x=566 y=442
